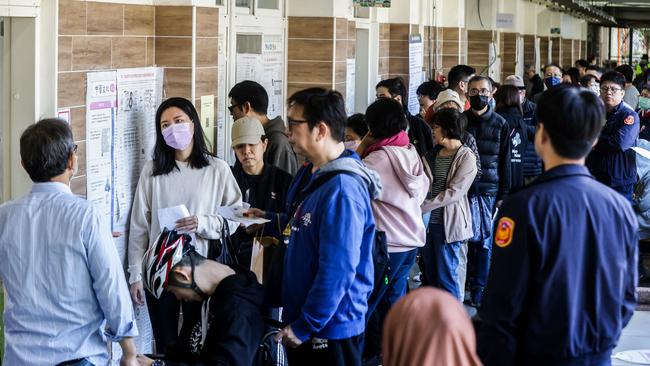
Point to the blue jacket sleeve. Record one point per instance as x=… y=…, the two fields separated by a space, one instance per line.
x=508 y=288
x=624 y=137
x=339 y=255
x=632 y=252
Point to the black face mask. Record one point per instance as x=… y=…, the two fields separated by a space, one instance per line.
x=478 y=102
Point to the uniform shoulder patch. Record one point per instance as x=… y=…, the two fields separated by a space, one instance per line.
x=504 y=232
x=629 y=120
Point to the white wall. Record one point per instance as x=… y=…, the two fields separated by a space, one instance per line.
x=450 y=13
x=488 y=14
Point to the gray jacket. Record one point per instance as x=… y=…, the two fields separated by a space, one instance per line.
x=279 y=152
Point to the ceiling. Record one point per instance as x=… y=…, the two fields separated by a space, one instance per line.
x=628 y=13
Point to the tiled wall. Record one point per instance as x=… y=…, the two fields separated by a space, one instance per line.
x=529 y=49
x=345 y=49
x=478 y=49
x=453 y=44
x=96 y=36
x=429 y=40
x=398 y=47
x=384 y=50
x=567 y=53
x=543 y=50
x=508 y=54
x=556 y=50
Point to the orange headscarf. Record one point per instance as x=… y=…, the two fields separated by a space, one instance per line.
x=429 y=327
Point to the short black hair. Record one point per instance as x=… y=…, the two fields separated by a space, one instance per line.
x=164 y=156
x=357 y=122
x=385 y=118
x=574 y=74
x=458 y=73
x=615 y=77
x=627 y=71
x=587 y=78
x=430 y=89
x=507 y=96
x=251 y=92
x=45 y=148
x=451 y=121
x=582 y=63
x=395 y=86
x=479 y=78
x=320 y=105
x=572 y=118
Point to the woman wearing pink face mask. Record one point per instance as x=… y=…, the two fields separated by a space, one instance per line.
x=183 y=172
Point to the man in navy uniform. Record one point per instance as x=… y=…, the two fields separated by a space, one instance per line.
x=612 y=160
x=563 y=278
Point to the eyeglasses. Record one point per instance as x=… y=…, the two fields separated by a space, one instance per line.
x=605 y=89
x=473 y=92
x=231 y=107
x=296 y=121
x=74 y=149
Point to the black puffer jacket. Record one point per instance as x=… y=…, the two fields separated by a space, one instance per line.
x=521 y=137
x=532 y=162
x=491 y=133
x=420 y=134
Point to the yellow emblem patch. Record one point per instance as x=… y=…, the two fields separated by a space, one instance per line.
x=504 y=232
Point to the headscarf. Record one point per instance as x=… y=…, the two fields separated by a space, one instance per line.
x=429 y=327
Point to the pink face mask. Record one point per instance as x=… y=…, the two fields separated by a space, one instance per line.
x=178 y=135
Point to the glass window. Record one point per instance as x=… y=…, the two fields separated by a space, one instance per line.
x=268 y=4
x=243 y=3
x=219 y=2
x=249 y=43
x=361 y=12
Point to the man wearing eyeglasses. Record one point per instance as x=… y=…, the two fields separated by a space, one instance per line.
x=612 y=159
x=492 y=137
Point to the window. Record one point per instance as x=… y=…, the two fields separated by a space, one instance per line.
x=243 y=3
x=268 y=4
x=249 y=43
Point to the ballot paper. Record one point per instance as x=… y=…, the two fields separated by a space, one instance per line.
x=641 y=151
x=639 y=356
x=236 y=214
x=168 y=216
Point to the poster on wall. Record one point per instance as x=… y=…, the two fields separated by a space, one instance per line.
x=416 y=60
x=372 y=3
x=249 y=67
x=350 y=81
x=101 y=103
x=272 y=78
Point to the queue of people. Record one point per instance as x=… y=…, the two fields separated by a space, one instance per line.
x=481 y=187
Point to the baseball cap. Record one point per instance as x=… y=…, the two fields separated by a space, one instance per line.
x=445 y=96
x=514 y=80
x=247 y=130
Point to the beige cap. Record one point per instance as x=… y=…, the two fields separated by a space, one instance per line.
x=247 y=130
x=514 y=80
x=445 y=96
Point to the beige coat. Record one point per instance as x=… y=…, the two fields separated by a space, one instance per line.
x=457 y=215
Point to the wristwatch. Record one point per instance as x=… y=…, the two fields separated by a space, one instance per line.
x=158 y=363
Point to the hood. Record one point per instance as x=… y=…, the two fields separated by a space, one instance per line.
x=642 y=163
x=243 y=284
x=408 y=168
x=349 y=161
x=274 y=125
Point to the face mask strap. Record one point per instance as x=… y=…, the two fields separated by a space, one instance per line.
x=192 y=286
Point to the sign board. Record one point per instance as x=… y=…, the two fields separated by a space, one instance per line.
x=556 y=31
x=506 y=20
x=416 y=61
x=372 y=3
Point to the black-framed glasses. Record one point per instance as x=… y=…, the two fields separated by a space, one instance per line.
x=606 y=89
x=231 y=107
x=75 y=148
x=296 y=121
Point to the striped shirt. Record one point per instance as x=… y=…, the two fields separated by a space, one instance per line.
x=440 y=171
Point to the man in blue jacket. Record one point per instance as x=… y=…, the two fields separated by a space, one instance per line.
x=328 y=268
x=612 y=160
x=563 y=279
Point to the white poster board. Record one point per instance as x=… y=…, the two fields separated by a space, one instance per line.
x=505 y=20
x=350 y=82
x=272 y=78
x=416 y=60
x=249 y=67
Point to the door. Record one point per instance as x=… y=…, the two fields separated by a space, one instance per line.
x=362 y=62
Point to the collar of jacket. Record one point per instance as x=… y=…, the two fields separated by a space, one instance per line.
x=562 y=171
x=484 y=117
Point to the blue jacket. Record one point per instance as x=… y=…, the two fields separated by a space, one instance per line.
x=328 y=268
x=563 y=277
x=612 y=161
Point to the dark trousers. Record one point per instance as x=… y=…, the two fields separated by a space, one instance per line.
x=340 y=352
x=163 y=313
x=81 y=362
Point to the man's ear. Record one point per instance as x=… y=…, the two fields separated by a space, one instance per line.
x=183 y=273
x=246 y=108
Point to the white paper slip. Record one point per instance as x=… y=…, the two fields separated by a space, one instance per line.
x=641 y=151
x=639 y=356
x=236 y=214
x=168 y=216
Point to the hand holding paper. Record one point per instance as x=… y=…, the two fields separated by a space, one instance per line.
x=236 y=214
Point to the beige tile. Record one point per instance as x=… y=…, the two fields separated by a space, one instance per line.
x=207 y=22
x=352 y=30
x=384 y=31
x=383 y=66
x=295 y=87
x=78 y=186
x=206 y=81
x=450 y=48
x=81 y=157
x=451 y=34
x=310 y=49
x=311 y=27
x=309 y=72
x=150 y=51
x=340 y=72
x=341 y=29
x=129 y=52
x=175 y=52
x=398 y=65
x=479 y=36
x=352 y=49
x=384 y=48
x=449 y=61
x=78 y=123
x=139 y=20
x=178 y=83
x=91 y=53
x=206 y=52
x=71 y=89
x=341 y=50
x=105 y=19
x=399 y=48
x=340 y=87
x=65 y=53
x=72 y=17
x=173 y=21
x=399 y=32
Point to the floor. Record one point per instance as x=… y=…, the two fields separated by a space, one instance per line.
x=635 y=336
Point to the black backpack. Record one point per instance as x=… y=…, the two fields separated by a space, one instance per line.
x=379 y=250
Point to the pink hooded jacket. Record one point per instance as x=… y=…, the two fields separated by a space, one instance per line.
x=405 y=186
